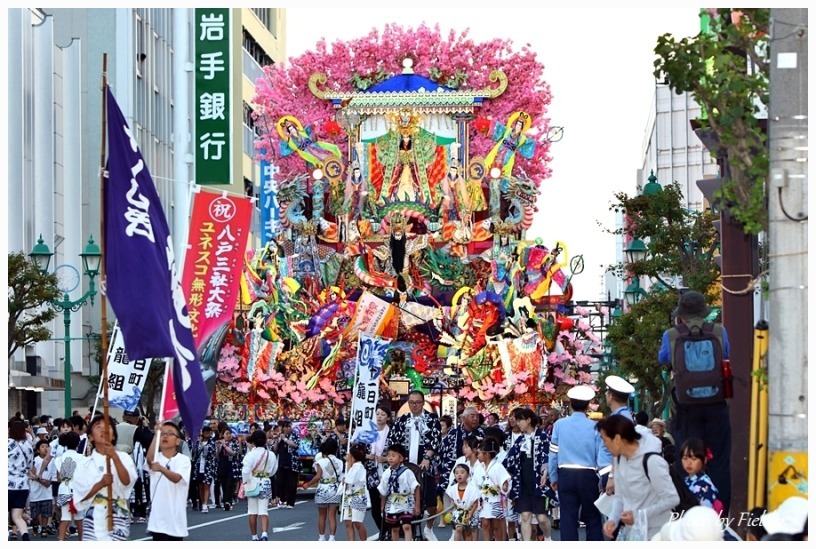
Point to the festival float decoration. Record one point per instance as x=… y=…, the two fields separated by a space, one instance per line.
x=406 y=183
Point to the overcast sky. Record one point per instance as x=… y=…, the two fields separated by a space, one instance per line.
x=598 y=64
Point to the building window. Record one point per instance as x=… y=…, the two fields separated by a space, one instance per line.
x=269 y=18
x=255 y=50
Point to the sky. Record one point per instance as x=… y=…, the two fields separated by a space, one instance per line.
x=598 y=63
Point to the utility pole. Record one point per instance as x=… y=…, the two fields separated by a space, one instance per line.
x=788 y=244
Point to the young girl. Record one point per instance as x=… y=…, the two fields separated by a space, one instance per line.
x=466 y=499
x=354 y=489
x=399 y=489
x=694 y=456
x=494 y=484
x=91 y=482
x=328 y=476
x=39 y=498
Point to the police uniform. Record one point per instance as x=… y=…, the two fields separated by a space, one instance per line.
x=620 y=385
x=576 y=459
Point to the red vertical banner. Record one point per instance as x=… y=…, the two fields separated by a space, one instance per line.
x=219 y=228
x=169 y=406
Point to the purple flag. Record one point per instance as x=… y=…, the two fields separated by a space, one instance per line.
x=142 y=280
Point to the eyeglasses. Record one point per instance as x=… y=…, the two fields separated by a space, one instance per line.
x=169 y=434
x=415 y=402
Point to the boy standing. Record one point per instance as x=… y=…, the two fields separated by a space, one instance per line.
x=170 y=478
x=40 y=497
x=399 y=489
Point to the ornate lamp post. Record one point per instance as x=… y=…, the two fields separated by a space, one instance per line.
x=635 y=251
x=633 y=293
x=91 y=260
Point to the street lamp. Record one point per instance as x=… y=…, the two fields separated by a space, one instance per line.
x=635 y=251
x=633 y=293
x=91 y=261
x=652 y=187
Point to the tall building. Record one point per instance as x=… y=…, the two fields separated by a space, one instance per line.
x=55 y=144
x=671 y=148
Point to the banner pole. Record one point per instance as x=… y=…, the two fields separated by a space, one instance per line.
x=104 y=302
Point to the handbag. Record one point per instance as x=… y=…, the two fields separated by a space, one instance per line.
x=252 y=488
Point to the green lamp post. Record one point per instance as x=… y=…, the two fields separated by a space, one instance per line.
x=633 y=293
x=91 y=261
x=652 y=187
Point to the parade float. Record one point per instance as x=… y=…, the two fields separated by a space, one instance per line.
x=407 y=168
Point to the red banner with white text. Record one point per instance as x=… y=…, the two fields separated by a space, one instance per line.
x=219 y=228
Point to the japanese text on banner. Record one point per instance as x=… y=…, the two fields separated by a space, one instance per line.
x=370 y=357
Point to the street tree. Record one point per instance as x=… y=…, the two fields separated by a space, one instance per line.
x=727 y=69
x=680 y=254
x=29 y=294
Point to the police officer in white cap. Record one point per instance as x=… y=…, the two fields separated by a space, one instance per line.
x=577 y=454
x=618 y=391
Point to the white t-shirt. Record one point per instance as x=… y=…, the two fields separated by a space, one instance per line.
x=38 y=492
x=168 y=512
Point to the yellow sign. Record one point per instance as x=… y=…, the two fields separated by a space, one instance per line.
x=787 y=476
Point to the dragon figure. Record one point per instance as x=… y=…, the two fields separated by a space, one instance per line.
x=522 y=195
x=292 y=199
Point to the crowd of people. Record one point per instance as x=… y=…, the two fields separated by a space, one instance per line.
x=477 y=476
x=624 y=477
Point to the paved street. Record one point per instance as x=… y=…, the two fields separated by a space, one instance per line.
x=298 y=524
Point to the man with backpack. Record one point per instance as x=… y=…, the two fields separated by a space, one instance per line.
x=694 y=351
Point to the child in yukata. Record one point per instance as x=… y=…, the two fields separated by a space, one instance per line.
x=466 y=498
x=399 y=489
x=354 y=492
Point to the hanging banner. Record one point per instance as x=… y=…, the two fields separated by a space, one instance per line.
x=213 y=96
x=169 y=406
x=126 y=378
x=219 y=228
x=270 y=208
x=370 y=357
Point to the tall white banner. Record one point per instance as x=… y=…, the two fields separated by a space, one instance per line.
x=370 y=357
x=126 y=378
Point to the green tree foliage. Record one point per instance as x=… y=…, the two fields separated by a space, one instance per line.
x=681 y=244
x=727 y=70
x=29 y=294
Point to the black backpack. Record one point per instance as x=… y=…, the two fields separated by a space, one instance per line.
x=687 y=498
x=697 y=362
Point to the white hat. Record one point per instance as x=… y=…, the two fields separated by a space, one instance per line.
x=620 y=385
x=697 y=524
x=788 y=518
x=42 y=431
x=581 y=392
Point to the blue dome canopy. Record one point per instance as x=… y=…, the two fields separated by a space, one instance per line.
x=408 y=83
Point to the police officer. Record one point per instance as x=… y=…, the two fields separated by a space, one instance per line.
x=576 y=460
x=618 y=391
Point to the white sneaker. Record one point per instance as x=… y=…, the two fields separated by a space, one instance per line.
x=429 y=534
x=204 y=509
